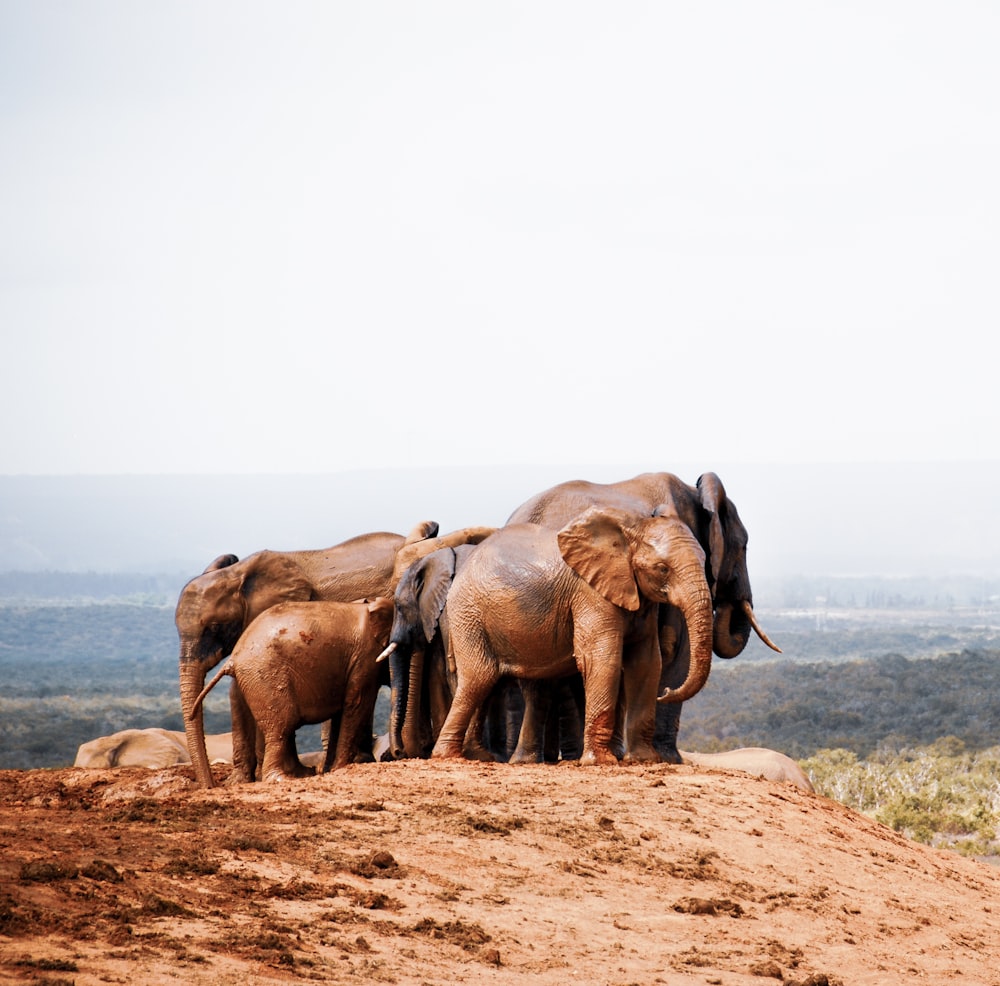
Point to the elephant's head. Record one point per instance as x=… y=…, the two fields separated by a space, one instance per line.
x=726 y=538
x=213 y=610
x=420 y=598
x=628 y=558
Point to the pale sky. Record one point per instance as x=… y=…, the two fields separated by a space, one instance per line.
x=320 y=236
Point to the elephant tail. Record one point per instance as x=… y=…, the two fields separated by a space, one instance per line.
x=222 y=672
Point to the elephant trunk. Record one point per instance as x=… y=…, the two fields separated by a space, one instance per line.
x=192 y=679
x=733 y=623
x=412 y=733
x=731 y=632
x=695 y=603
x=398 y=690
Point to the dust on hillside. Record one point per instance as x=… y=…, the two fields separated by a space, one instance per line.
x=427 y=872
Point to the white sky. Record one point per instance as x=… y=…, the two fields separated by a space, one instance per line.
x=312 y=237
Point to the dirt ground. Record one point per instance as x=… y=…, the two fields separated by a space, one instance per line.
x=439 y=873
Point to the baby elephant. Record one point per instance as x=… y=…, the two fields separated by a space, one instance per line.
x=300 y=663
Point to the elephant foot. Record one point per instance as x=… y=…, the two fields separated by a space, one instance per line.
x=669 y=754
x=237 y=777
x=476 y=752
x=598 y=757
x=290 y=771
x=524 y=756
x=643 y=753
x=446 y=751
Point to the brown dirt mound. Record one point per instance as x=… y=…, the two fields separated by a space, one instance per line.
x=435 y=873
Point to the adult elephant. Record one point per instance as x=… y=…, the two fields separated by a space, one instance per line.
x=422 y=684
x=421 y=687
x=757 y=761
x=153 y=747
x=215 y=607
x=538 y=604
x=713 y=519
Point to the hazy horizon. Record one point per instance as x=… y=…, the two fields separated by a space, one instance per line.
x=892 y=519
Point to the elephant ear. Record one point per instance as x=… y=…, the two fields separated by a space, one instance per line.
x=437 y=579
x=595 y=545
x=380 y=613
x=713 y=496
x=269 y=578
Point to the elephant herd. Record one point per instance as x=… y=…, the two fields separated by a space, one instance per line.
x=577 y=629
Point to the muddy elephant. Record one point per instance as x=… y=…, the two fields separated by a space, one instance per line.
x=153 y=747
x=713 y=519
x=302 y=663
x=421 y=685
x=214 y=608
x=422 y=682
x=757 y=761
x=534 y=603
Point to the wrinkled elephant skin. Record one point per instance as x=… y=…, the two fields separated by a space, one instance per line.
x=538 y=604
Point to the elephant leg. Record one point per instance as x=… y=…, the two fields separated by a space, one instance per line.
x=494 y=737
x=355 y=738
x=673 y=672
x=327 y=734
x=532 y=734
x=281 y=758
x=571 y=705
x=469 y=704
x=550 y=742
x=244 y=738
x=513 y=715
x=618 y=744
x=503 y=718
x=439 y=696
x=331 y=730
x=474 y=748
x=668 y=720
x=599 y=660
x=640 y=677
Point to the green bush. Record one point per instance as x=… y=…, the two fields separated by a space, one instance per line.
x=940 y=794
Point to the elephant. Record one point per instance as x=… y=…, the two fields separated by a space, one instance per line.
x=214 y=608
x=422 y=683
x=534 y=603
x=421 y=686
x=300 y=663
x=153 y=747
x=712 y=517
x=755 y=760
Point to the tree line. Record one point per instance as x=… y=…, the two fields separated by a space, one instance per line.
x=896 y=721
x=71 y=673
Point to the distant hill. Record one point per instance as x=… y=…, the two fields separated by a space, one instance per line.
x=887 y=519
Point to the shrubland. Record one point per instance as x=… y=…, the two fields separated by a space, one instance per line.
x=891 y=711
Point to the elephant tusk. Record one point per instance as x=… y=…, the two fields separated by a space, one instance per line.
x=386 y=653
x=748 y=609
